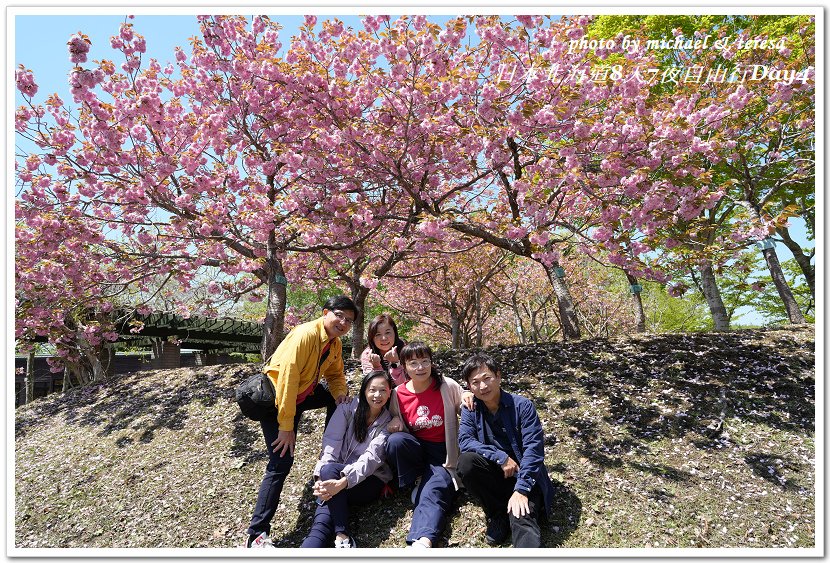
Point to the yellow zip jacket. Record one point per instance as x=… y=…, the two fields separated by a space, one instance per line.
x=293 y=366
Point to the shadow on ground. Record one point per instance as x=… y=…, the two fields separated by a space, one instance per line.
x=145 y=401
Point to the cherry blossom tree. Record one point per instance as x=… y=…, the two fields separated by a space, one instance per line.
x=529 y=298
x=209 y=162
x=763 y=132
x=65 y=284
x=242 y=165
x=497 y=139
x=601 y=291
x=361 y=267
x=774 y=162
x=449 y=292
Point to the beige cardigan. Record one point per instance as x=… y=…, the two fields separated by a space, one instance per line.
x=451 y=395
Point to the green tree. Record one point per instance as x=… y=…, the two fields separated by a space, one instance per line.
x=767 y=169
x=665 y=313
x=771 y=308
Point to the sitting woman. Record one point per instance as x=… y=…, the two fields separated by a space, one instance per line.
x=351 y=470
x=384 y=348
x=425 y=452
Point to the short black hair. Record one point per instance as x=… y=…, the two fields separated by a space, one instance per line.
x=341 y=303
x=477 y=360
x=419 y=349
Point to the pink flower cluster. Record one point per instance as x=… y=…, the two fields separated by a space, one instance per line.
x=25 y=81
x=79 y=45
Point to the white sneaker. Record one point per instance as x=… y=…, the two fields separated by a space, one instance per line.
x=418 y=544
x=347 y=543
x=262 y=541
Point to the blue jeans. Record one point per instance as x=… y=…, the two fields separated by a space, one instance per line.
x=332 y=516
x=413 y=458
x=278 y=467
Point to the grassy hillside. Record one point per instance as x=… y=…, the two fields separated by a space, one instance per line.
x=703 y=440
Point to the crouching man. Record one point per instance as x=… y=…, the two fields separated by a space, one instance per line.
x=503 y=457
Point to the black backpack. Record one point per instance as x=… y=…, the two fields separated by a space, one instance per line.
x=255 y=397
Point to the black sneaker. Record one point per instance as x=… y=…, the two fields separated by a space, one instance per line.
x=498 y=529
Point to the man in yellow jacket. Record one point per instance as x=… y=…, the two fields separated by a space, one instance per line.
x=310 y=351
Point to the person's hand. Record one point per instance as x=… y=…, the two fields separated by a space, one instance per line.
x=467 y=400
x=375 y=359
x=392 y=356
x=327 y=489
x=510 y=467
x=518 y=505
x=395 y=425
x=285 y=443
x=343 y=399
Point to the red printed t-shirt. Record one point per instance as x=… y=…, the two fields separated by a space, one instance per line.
x=423 y=412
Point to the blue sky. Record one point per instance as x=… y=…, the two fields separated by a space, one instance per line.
x=40 y=41
x=40 y=45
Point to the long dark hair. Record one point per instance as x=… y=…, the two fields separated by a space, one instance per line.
x=418 y=349
x=373 y=331
x=361 y=413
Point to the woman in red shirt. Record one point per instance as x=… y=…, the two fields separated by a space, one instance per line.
x=423 y=448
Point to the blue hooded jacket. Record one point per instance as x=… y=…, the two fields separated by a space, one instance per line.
x=524 y=430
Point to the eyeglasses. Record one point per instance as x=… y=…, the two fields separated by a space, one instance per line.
x=343 y=318
x=415 y=364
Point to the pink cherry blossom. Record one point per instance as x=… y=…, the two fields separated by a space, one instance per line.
x=78 y=47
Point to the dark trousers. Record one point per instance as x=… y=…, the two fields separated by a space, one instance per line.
x=412 y=458
x=485 y=480
x=278 y=467
x=332 y=516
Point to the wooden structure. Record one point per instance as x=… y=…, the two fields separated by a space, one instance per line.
x=163 y=336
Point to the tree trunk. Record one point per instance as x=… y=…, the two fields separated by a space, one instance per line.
x=94 y=357
x=713 y=298
x=67 y=379
x=455 y=324
x=793 y=312
x=567 y=311
x=29 y=382
x=100 y=359
x=774 y=266
x=537 y=327
x=70 y=372
x=274 y=326
x=639 y=313
x=803 y=260
x=479 y=321
x=519 y=328
x=359 y=295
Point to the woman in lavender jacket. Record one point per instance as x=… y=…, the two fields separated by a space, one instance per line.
x=352 y=469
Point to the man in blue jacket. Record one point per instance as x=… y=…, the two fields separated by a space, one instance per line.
x=503 y=456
